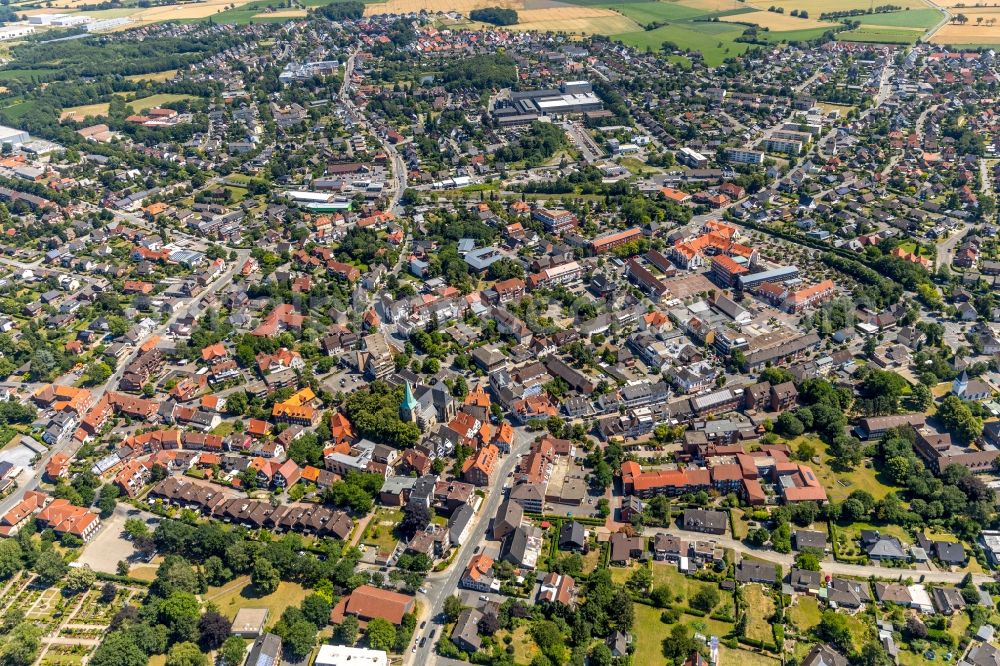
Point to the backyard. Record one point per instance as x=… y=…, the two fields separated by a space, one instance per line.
x=760 y=606
x=380 y=532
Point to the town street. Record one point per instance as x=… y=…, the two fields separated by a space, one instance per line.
x=441 y=585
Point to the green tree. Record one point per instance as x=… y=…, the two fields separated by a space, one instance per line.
x=264 y=576
x=119 y=649
x=380 y=634
x=956 y=415
x=347 y=632
x=50 y=567
x=186 y=654
x=453 y=607
x=316 y=609
x=232 y=651
x=179 y=614
x=706 y=598
x=79 y=579
x=808 y=561
x=300 y=637
x=834 y=628
x=11 y=558
x=20 y=646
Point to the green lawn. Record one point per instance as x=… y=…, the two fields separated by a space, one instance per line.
x=686 y=587
x=805 y=613
x=839 y=485
x=909 y=18
x=649 y=632
x=760 y=606
x=861 y=629
x=240 y=593
x=745 y=657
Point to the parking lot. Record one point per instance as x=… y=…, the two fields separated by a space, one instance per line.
x=110 y=545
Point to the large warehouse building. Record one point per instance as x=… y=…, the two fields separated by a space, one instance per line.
x=528 y=105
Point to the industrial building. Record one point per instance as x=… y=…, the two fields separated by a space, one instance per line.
x=15 y=31
x=528 y=105
x=13 y=136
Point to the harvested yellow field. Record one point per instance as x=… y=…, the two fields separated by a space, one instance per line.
x=817 y=7
x=438 y=6
x=283 y=13
x=194 y=10
x=778 y=22
x=962 y=5
x=584 y=20
x=983 y=27
x=557 y=17
x=165 y=75
x=78 y=113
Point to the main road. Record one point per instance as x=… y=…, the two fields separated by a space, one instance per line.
x=439 y=586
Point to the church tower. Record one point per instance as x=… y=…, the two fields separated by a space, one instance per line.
x=409 y=406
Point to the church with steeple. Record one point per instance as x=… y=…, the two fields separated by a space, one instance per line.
x=409 y=407
x=426 y=405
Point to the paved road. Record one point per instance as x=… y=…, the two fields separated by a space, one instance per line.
x=829 y=566
x=441 y=585
x=946 y=16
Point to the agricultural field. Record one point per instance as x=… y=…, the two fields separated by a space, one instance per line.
x=715 y=41
x=138 y=105
x=582 y=20
x=282 y=14
x=778 y=22
x=792 y=35
x=434 y=6
x=982 y=28
x=881 y=35
x=165 y=75
x=648 y=12
x=817 y=7
x=911 y=18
